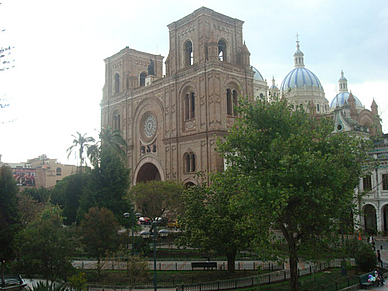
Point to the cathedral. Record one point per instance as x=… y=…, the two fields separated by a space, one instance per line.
x=171 y=121
x=171 y=116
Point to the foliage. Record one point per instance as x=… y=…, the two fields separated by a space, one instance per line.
x=110 y=140
x=296 y=173
x=212 y=222
x=99 y=233
x=45 y=246
x=67 y=194
x=28 y=208
x=137 y=267
x=107 y=186
x=47 y=286
x=365 y=257
x=158 y=198
x=9 y=218
x=41 y=195
x=78 y=281
x=81 y=143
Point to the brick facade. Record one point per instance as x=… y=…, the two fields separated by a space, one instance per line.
x=171 y=122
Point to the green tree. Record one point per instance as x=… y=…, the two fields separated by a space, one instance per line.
x=99 y=233
x=211 y=221
x=107 y=186
x=41 y=195
x=28 y=208
x=67 y=194
x=158 y=198
x=365 y=257
x=110 y=140
x=78 y=282
x=45 y=246
x=9 y=217
x=81 y=143
x=297 y=174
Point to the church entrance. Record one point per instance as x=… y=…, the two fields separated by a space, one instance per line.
x=370 y=220
x=189 y=184
x=148 y=172
x=385 y=218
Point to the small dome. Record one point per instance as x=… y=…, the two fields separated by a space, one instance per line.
x=257 y=75
x=343 y=97
x=300 y=78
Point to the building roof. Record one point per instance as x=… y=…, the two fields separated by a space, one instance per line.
x=257 y=75
x=343 y=97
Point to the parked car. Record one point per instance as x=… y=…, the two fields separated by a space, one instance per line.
x=173 y=223
x=145 y=220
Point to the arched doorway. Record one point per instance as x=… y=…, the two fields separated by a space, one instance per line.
x=370 y=220
x=189 y=184
x=385 y=218
x=148 y=172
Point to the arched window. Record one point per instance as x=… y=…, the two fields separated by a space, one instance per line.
x=117 y=83
x=188 y=53
x=317 y=107
x=189 y=105
x=189 y=161
x=231 y=102
x=142 y=79
x=59 y=172
x=116 y=121
x=222 y=50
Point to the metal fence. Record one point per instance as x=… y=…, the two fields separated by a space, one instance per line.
x=183 y=265
x=272 y=277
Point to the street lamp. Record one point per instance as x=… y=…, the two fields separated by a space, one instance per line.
x=134 y=216
x=154 y=232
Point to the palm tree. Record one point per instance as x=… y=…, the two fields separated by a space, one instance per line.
x=110 y=140
x=81 y=143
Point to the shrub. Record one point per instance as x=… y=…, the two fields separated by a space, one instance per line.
x=365 y=257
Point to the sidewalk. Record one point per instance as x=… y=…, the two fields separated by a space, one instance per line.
x=382 y=245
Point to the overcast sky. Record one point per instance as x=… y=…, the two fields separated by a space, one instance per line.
x=55 y=88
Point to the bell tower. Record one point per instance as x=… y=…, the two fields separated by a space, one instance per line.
x=203 y=36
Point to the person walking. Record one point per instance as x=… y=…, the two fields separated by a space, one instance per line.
x=379 y=258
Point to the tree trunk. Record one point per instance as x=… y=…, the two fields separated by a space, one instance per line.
x=99 y=266
x=231 y=256
x=294 y=282
x=293 y=257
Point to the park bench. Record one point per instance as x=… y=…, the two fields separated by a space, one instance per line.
x=204 y=265
x=364 y=279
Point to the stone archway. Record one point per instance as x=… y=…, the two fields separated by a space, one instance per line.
x=189 y=184
x=370 y=220
x=385 y=218
x=148 y=172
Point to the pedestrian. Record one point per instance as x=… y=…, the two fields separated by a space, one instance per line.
x=380 y=277
x=373 y=243
x=379 y=258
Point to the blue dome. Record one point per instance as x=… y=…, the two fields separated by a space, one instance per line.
x=257 y=75
x=341 y=98
x=300 y=78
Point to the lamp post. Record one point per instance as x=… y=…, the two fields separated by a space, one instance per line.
x=134 y=216
x=146 y=234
